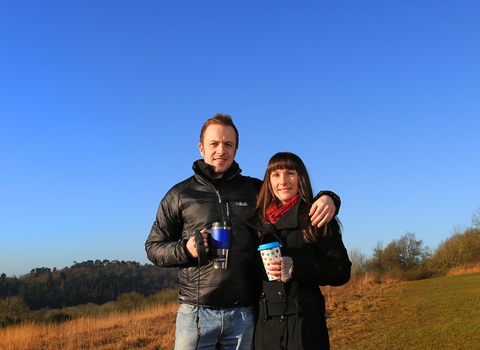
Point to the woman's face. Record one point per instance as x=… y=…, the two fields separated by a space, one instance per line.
x=284 y=184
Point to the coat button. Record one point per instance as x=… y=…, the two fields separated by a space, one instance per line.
x=262 y=295
x=282 y=318
x=280 y=295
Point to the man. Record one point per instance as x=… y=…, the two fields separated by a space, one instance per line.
x=216 y=192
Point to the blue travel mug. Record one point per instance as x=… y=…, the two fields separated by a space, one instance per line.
x=221 y=233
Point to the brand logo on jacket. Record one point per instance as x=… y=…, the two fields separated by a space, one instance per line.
x=241 y=204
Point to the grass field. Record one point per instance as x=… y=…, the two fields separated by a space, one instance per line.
x=437 y=313
x=153 y=328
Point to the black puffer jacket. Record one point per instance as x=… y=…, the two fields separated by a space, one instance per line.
x=195 y=204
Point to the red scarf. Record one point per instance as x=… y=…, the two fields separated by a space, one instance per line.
x=274 y=213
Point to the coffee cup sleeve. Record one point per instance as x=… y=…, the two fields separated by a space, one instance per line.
x=287 y=268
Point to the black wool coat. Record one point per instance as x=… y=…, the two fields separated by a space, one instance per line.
x=292 y=314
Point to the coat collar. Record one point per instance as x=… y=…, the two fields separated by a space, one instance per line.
x=289 y=220
x=205 y=170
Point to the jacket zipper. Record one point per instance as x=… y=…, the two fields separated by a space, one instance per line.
x=220 y=207
x=219 y=204
x=221 y=215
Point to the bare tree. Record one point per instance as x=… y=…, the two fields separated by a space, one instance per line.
x=402 y=254
x=462 y=247
x=476 y=218
x=359 y=261
x=377 y=261
x=411 y=251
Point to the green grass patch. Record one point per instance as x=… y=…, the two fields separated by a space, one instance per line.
x=437 y=313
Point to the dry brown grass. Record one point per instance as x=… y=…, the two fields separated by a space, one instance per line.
x=350 y=306
x=153 y=328
x=464 y=269
x=353 y=312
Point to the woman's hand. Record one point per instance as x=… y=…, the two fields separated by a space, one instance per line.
x=322 y=211
x=275 y=268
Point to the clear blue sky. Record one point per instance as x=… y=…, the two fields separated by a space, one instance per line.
x=101 y=105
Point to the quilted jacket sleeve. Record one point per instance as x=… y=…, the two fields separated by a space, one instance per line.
x=165 y=245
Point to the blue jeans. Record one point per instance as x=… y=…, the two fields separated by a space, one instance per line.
x=228 y=328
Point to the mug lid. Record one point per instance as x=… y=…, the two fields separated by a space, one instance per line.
x=223 y=224
x=269 y=245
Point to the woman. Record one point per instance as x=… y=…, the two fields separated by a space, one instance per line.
x=292 y=310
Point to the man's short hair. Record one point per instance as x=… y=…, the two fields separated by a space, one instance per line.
x=222 y=119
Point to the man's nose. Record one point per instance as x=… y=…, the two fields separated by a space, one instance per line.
x=220 y=148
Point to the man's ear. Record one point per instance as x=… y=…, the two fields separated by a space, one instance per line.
x=200 y=147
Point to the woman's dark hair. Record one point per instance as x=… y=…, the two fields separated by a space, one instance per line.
x=290 y=161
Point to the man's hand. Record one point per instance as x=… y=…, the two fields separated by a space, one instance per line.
x=322 y=211
x=192 y=247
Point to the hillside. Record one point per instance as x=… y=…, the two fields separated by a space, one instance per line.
x=438 y=313
x=87 y=282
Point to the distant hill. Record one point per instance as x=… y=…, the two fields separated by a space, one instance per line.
x=87 y=282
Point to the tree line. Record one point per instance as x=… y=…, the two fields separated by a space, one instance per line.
x=407 y=258
x=131 y=284
x=90 y=281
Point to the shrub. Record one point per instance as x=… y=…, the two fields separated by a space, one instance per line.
x=58 y=318
x=417 y=273
x=5 y=321
x=12 y=308
x=130 y=301
x=165 y=296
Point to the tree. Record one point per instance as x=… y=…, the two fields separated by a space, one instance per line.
x=376 y=262
x=410 y=251
x=12 y=308
x=4 y=286
x=462 y=247
x=402 y=254
x=359 y=261
x=476 y=218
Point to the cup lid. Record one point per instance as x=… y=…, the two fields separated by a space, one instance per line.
x=223 y=224
x=269 y=245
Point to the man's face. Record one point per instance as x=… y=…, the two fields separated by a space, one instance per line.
x=218 y=148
